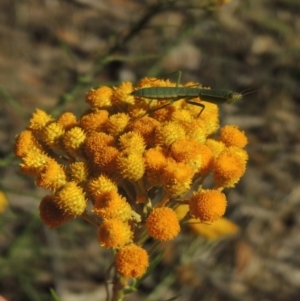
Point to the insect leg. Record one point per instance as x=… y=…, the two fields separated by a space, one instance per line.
x=161 y=107
x=202 y=106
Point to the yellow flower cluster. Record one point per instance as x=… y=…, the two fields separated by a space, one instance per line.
x=125 y=164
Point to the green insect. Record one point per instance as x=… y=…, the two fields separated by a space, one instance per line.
x=216 y=96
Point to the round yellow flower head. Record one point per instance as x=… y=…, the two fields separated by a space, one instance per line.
x=121 y=97
x=131 y=165
x=146 y=128
x=114 y=234
x=39 y=120
x=71 y=199
x=195 y=131
x=105 y=160
x=181 y=115
x=163 y=224
x=52 y=134
x=52 y=176
x=240 y=152
x=228 y=168
x=97 y=186
x=230 y=135
x=155 y=162
x=207 y=205
x=34 y=162
x=132 y=261
x=138 y=110
x=210 y=115
x=111 y=205
x=186 y=151
x=67 y=120
x=95 y=141
x=26 y=142
x=51 y=213
x=207 y=159
x=100 y=98
x=215 y=146
x=73 y=141
x=132 y=141
x=176 y=178
x=117 y=123
x=161 y=114
x=79 y=172
x=168 y=133
x=94 y=121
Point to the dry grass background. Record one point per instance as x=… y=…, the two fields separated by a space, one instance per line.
x=53 y=51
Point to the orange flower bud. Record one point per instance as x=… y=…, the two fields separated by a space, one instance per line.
x=67 y=120
x=155 y=162
x=51 y=213
x=26 y=142
x=176 y=178
x=145 y=127
x=111 y=205
x=100 y=98
x=228 y=168
x=208 y=205
x=94 y=121
x=95 y=141
x=230 y=135
x=114 y=234
x=162 y=224
x=187 y=151
x=132 y=261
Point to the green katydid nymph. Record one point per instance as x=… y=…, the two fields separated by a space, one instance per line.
x=216 y=96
